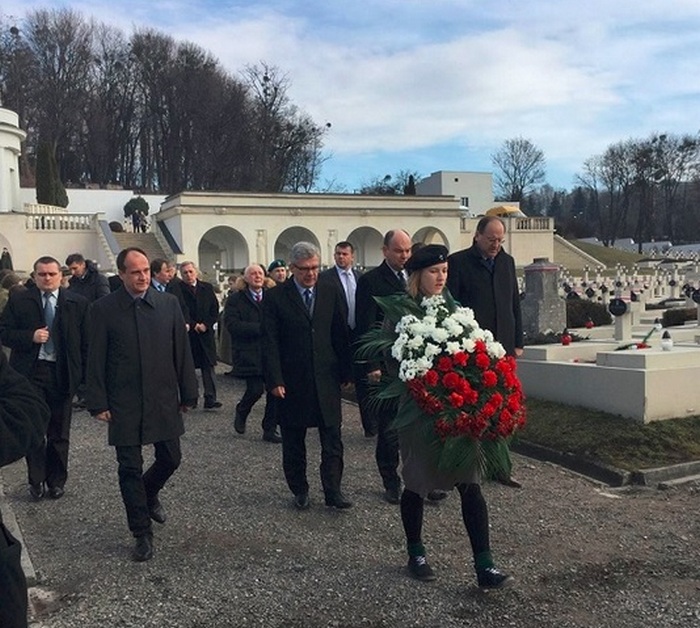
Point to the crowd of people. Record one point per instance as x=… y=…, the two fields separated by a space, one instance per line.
x=127 y=350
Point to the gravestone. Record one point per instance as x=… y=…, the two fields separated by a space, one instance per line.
x=542 y=308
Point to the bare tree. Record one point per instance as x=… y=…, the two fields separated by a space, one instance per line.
x=519 y=167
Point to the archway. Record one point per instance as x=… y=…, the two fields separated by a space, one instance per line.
x=431 y=235
x=222 y=250
x=368 y=247
x=289 y=237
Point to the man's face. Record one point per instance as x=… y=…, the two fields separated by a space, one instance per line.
x=189 y=274
x=77 y=269
x=397 y=252
x=344 y=257
x=137 y=273
x=48 y=276
x=306 y=273
x=163 y=275
x=254 y=277
x=279 y=274
x=489 y=242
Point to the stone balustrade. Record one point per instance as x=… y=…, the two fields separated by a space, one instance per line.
x=59 y=222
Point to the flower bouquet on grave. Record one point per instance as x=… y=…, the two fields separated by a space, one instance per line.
x=643 y=344
x=455 y=383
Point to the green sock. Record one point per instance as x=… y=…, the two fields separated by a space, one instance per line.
x=483 y=561
x=416 y=549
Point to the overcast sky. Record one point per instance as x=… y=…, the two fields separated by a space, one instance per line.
x=430 y=85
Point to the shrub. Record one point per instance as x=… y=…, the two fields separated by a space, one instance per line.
x=580 y=311
x=679 y=316
x=116 y=227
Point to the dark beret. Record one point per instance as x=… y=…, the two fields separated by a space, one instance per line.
x=278 y=263
x=425 y=256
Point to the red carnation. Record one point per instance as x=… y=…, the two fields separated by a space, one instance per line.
x=480 y=346
x=456 y=400
x=489 y=379
x=482 y=361
x=460 y=358
x=431 y=378
x=444 y=364
x=451 y=380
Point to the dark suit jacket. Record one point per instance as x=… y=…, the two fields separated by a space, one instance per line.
x=243 y=320
x=378 y=282
x=202 y=307
x=309 y=356
x=494 y=297
x=331 y=276
x=140 y=366
x=24 y=314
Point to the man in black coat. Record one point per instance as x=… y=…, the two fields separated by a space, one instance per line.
x=86 y=279
x=140 y=380
x=243 y=320
x=23 y=419
x=387 y=278
x=483 y=278
x=202 y=308
x=306 y=357
x=45 y=326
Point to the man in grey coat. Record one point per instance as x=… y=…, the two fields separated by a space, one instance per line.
x=141 y=379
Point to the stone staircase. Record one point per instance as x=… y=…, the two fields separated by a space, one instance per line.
x=146 y=241
x=571 y=257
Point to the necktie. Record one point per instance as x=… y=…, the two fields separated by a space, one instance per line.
x=402 y=279
x=308 y=299
x=350 y=297
x=161 y=287
x=258 y=297
x=49 y=313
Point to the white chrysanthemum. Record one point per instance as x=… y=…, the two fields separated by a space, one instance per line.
x=464 y=316
x=416 y=342
x=495 y=350
x=453 y=346
x=432 y=350
x=468 y=345
x=454 y=328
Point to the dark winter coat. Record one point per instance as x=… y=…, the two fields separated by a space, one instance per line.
x=494 y=297
x=308 y=355
x=201 y=306
x=24 y=314
x=243 y=320
x=140 y=367
x=92 y=285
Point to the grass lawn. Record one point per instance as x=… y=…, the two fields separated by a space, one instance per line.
x=608 y=255
x=609 y=439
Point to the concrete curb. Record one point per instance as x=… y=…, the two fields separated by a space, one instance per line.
x=10 y=521
x=659 y=475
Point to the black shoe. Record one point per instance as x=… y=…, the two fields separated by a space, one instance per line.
x=419 y=568
x=272 y=437
x=56 y=492
x=210 y=405
x=156 y=510
x=229 y=373
x=301 y=501
x=36 y=491
x=239 y=424
x=370 y=433
x=338 y=501
x=509 y=481
x=436 y=496
x=143 y=549
x=392 y=495
x=492 y=578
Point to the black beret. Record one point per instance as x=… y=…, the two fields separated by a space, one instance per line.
x=278 y=263
x=425 y=256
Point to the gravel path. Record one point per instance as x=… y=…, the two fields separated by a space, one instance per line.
x=234 y=552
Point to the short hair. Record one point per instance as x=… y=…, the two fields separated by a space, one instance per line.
x=389 y=235
x=344 y=244
x=188 y=263
x=486 y=221
x=157 y=264
x=47 y=259
x=75 y=258
x=121 y=258
x=303 y=250
x=10 y=279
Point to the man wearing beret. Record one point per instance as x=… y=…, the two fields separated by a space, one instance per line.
x=277 y=270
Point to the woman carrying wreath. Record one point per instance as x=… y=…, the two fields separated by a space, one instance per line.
x=460 y=400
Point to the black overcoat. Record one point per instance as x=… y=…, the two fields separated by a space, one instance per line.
x=308 y=355
x=331 y=276
x=494 y=297
x=201 y=306
x=243 y=320
x=140 y=366
x=24 y=314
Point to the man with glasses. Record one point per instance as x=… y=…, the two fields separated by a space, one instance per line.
x=46 y=328
x=483 y=278
x=306 y=358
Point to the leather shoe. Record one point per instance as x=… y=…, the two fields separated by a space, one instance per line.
x=156 y=510
x=301 y=501
x=272 y=437
x=509 y=481
x=36 y=491
x=338 y=501
x=56 y=492
x=392 y=495
x=211 y=405
x=239 y=424
x=143 y=550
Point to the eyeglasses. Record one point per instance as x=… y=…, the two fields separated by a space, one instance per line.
x=307 y=269
x=495 y=240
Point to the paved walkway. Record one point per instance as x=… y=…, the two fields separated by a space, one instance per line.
x=234 y=552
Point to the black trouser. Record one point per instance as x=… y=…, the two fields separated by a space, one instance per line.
x=13 y=584
x=139 y=488
x=294 y=458
x=387 y=451
x=367 y=417
x=254 y=388
x=208 y=384
x=48 y=462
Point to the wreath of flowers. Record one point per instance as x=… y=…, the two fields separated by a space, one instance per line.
x=454 y=380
